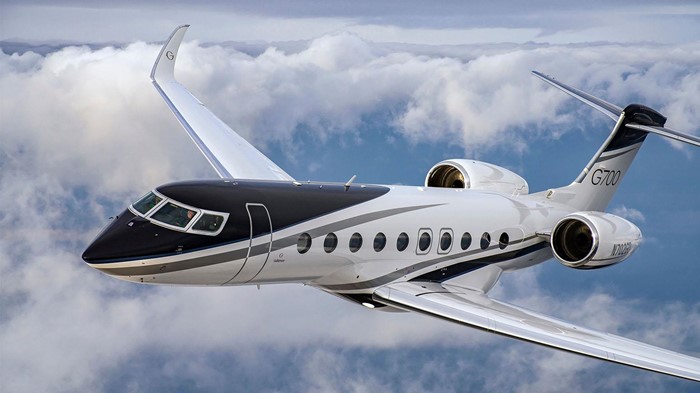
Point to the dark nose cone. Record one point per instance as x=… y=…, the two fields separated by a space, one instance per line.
x=129 y=237
x=126 y=237
x=108 y=243
x=92 y=253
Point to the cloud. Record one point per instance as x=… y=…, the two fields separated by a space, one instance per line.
x=628 y=213
x=83 y=134
x=411 y=21
x=108 y=109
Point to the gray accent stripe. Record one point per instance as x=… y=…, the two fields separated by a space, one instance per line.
x=259 y=249
x=627 y=150
x=180 y=265
x=395 y=275
x=343 y=224
x=601 y=150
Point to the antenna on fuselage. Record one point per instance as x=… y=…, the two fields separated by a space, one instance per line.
x=349 y=182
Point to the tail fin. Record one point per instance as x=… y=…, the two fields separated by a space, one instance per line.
x=595 y=186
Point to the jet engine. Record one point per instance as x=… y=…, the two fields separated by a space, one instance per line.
x=590 y=240
x=475 y=175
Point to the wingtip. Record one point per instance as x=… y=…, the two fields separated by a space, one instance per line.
x=164 y=66
x=541 y=74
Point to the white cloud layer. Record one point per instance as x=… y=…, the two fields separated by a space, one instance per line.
x=83 y=133
x=629 y=213
x=453 y=22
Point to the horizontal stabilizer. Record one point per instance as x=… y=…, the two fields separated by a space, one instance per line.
x=613 y=111
x=476 y=309
x=668 y=133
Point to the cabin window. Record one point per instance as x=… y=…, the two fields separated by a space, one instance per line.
x=402 y=241
x=485 y=240
x=174 y=215
x=424 y=242
x=503 y=241
x=208 y=223
x=466 y=240
x=147 y=202
x=355 y=242
x=445 y=241
x=330 y=243
x=304 y=243
x=379 y=242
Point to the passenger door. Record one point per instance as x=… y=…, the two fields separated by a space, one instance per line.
x=260 y=243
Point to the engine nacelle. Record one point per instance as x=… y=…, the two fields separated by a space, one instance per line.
x=475 y=175
x=589 y=240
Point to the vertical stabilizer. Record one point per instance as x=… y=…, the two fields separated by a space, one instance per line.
x=595 y=186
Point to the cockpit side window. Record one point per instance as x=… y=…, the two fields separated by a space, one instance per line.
x=147 y=202
x=208 y=223
x=175 y=215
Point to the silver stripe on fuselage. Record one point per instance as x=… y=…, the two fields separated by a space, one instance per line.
x=395 y=275
x=232 y=256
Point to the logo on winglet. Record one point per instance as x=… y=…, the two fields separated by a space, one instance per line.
x=169 y=55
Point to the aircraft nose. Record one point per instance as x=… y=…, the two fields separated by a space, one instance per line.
x=130 y=237
x=95 y=252
x=111 y=242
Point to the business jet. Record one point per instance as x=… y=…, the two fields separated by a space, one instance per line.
x=436 y=249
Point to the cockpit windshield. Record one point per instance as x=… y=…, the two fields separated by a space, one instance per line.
x=173 y=214
x=208 y=223
x=147 y=202
x=163 y=211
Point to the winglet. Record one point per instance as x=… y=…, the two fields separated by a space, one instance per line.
x=164 y=67
x=229 y=154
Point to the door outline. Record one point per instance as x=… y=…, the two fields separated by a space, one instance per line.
x=250 y=243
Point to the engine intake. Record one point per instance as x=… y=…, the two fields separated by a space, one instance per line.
x=589 y=240
x=475 y=175
x=446 y=176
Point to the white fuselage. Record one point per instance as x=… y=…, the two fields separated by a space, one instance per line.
x=404 y=209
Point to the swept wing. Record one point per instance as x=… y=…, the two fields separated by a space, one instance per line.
x=476 y=309
x=229 y=154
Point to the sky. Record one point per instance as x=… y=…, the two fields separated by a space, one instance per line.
x=382 y=90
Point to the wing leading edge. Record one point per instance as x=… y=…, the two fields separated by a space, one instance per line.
x=229 y=154
x=476 y=309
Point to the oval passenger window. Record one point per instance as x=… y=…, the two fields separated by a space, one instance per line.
x=402 y=241
x=485 y=240
x=330 y=243
x=379 y=242
x=424 y=241
x=445 y=241
x=466 y=240
x=304 y=243
x=355 y=242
